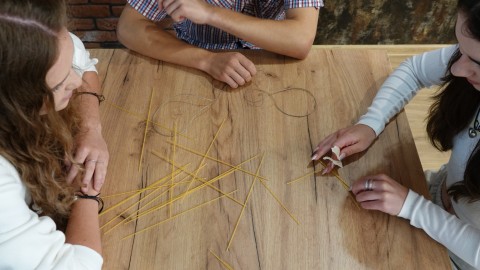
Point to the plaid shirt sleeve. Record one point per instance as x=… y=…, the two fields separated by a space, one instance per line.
x=303 y=3
x=148 y=8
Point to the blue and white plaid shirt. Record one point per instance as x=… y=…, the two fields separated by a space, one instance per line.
x=209 y=37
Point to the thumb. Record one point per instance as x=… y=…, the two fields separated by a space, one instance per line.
x=349 y=150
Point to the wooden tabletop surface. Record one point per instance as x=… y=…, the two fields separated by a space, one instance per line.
x=206 y=182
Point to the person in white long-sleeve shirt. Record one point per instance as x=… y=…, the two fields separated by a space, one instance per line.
x=42 y=65
x=453 y=217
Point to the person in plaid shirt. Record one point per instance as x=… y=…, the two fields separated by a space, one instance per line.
x=285 y=27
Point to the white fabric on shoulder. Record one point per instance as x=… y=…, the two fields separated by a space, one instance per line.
x=424 y=70
x=81 y=57
x=28 y=241
x=459 y=237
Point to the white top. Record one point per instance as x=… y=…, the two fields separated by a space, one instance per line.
x=28 y=241
x=460 y=235
x=81 y=57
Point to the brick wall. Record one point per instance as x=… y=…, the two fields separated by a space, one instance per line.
x=95 y=21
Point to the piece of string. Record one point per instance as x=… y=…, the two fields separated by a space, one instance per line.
x=183 y=99
x=253 y=97
x=250 y=99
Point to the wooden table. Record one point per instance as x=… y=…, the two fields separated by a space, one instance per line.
x=199 y=128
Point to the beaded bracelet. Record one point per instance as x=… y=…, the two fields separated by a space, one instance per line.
x=100 y=97
x=97 y=198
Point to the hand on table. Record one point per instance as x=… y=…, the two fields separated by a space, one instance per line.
x=380 y=192
x=232 y=68
x=91 y=150
x=350 y=140
x=197 y=11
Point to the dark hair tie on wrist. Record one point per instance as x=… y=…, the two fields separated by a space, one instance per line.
x=100 y=97
x=80 y=195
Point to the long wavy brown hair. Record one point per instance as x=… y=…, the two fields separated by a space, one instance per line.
x=36 y=144
x=453 y=109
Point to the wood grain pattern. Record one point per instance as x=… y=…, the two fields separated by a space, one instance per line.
x=333 y=233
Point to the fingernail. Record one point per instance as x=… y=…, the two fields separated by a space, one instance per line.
x=314 y=156
x=342 y=156
x=350 y=188
x=324 y=171
x=316 y=149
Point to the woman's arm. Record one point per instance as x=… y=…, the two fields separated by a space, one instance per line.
x=90 y=146
x=382 y=193
x=28 y=241
x=83 y=225
x=399 y=88
x=424 y=70
x=458 y=236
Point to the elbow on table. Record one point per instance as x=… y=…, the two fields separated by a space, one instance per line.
x=301 y=49
x=123 y=33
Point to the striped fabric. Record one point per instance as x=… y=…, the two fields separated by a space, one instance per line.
x=209 y=37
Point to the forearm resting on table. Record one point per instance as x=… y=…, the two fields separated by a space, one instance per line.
x=83 y=225
x=291 y=37
x=144 y=36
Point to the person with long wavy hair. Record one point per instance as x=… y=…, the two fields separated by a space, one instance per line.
x=38 y=133
x=453 y=216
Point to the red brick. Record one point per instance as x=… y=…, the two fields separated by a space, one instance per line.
x=117 y=10
x=97 y=36
x=108 y=1
x=81 y=24
x=107 y=24
x=97 y=11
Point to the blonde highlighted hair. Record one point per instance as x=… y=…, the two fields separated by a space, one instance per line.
x=37 y=145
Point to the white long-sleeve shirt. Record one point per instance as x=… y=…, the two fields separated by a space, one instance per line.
x=81 y=57
x=28 y=241
x=461 y=235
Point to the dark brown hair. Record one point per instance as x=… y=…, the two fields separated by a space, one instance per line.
x=453 y=109
x=37 y=145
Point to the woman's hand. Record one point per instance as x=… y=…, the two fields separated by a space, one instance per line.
x=380 y=192
x=350 y=140
x=91 y=150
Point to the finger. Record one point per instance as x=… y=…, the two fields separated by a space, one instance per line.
x=380 y=182
x=348 y=146
x=99 y=176
x=323 y=147
x=359 y=185
x=81 y=155
x=374 y=205
x=329 y=168
x=175 y=11
x=386 y=203
x=162 y=4
x=79 y=158
x=228 y=80
x=350 y=150
x=248 y=65
x=72 y=173
x=90 y=165
x=237 y=78
x=370 y=195
x=244 y=73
